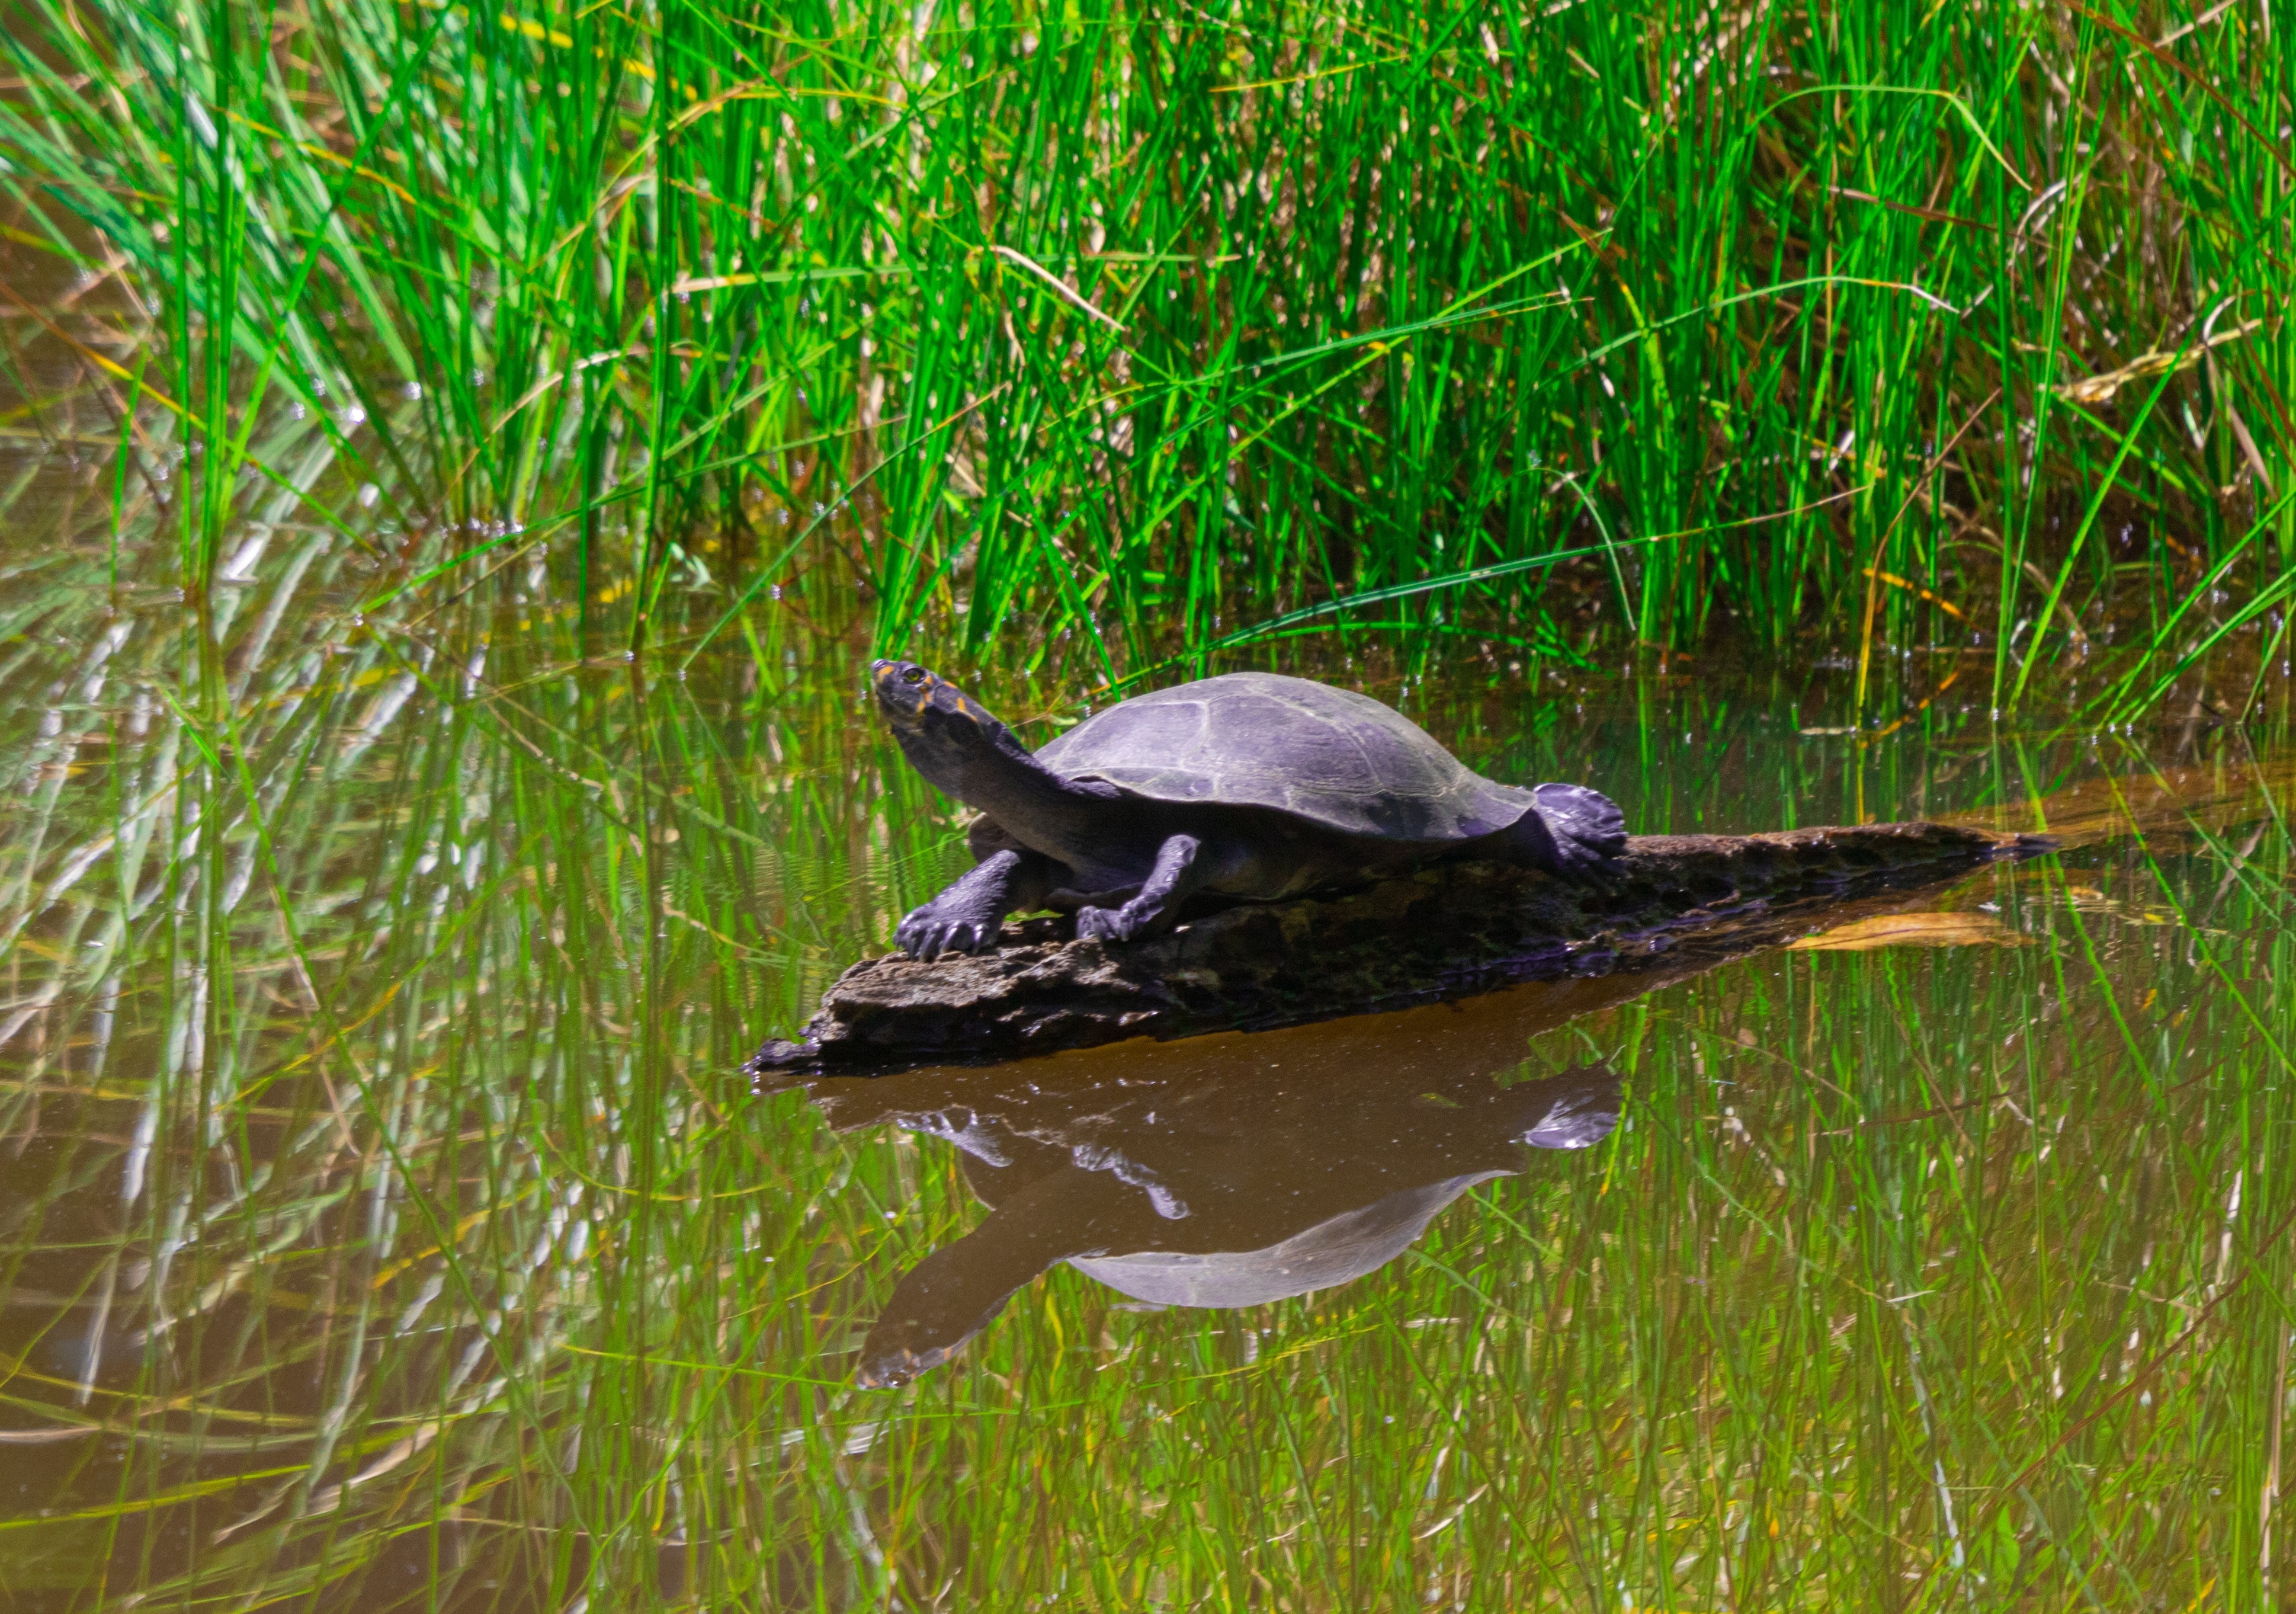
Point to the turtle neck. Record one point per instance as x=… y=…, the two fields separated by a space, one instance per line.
x=990 y=770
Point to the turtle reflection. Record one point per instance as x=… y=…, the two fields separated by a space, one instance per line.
x=1222 y=1192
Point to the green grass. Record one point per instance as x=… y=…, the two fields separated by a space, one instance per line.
x=1108 y=334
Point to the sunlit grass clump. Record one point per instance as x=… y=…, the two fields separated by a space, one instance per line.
x=1896 y=323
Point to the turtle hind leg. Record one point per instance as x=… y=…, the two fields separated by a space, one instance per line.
x=1181 y=870
x=969 y=912
x=1586 y=817
x=1573 y=832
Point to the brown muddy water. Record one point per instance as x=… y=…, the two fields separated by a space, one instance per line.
x=386 y=1223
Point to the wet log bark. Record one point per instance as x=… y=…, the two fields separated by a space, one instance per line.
x=1448 y=931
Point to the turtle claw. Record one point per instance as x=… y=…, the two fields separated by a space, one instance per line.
x=969 y=915
x=1103 y=925
x=924 y=934
x=1129 y=922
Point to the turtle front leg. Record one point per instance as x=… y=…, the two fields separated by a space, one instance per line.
x=1181 y=868
x=966 y=916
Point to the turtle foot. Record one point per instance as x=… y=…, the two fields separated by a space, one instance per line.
x=1587 y=816
x=969 y=915
x=1106 y=924
x=1589 y=833
x=928 y=935
x=1130 y=923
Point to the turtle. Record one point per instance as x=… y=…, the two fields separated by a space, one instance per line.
x=1251 y=787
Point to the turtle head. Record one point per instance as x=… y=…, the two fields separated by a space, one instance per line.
x=926 y=706
x=915 y=699
x=945 y=733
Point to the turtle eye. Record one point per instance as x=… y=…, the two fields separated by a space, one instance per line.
x=913 y=676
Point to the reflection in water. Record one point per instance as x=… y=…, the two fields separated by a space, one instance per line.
x=1231 y=1170
x=1218 y=1192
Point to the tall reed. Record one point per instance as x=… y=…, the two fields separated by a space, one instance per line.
x=1145 y=326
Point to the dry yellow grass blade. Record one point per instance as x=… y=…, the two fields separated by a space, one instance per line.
x=1913 y=930
x=2146 y=366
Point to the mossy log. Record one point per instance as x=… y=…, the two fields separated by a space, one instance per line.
x=1446 y=931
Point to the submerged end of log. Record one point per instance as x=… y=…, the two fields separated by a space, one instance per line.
x=1448 y=930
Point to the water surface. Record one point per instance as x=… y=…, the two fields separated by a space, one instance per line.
x=387 y=1223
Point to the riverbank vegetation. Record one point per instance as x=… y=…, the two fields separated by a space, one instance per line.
x=1117 y=332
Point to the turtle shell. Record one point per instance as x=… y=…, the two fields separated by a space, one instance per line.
x=1331 y=756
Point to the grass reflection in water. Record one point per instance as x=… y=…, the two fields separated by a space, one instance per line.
x=386 y=1225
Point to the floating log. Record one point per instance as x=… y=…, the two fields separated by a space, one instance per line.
x=1446 y=931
